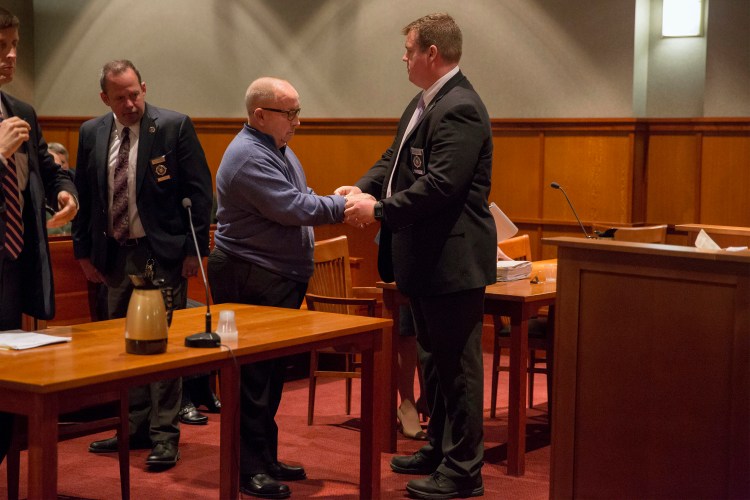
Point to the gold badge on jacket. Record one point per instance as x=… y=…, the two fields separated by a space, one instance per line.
x=417 y=161
x=160 y=169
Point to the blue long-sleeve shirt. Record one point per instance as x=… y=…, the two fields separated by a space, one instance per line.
x=265 y=209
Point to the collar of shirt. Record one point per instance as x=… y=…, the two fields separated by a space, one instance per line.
x=269 y=140
x=429 y=94
x=135 y=130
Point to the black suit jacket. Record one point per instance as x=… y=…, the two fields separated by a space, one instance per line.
x=438 y=235
x=46 y=180
x=159 y=192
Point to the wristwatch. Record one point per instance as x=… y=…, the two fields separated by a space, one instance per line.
x=378 y=210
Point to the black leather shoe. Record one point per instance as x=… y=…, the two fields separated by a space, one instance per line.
x=163 y=455
x=212 y=403
x=283 y=472
x=110 y=445
x=439 y=486
x=414 y=464
x=189 y=415
x=264 y=486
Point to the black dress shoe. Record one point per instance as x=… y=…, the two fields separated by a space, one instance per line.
x=189 y=415
x=439 y=486
x=163 y=455
x=264 y=486
x=414 y=464
x=283 y=472
x=212 y=403
x=110 y=445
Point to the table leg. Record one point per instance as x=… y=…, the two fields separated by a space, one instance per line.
x=229 y=449
x=369 y=444
x=519 y=351
x=42 y=440
x=391 y=310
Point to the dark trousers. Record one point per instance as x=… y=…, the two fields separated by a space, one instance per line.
x=154 y=408
x=10 y=319
x=261 y=384
x=449 y=344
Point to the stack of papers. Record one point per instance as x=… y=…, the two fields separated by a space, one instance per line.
x=511 y=270
x=18 y=340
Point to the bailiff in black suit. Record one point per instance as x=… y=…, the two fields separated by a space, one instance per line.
x=169 y=166
x=437 y=241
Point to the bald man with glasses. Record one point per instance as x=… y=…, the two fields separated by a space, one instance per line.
x=264 y=255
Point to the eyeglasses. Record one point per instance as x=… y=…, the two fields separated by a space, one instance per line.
x=291 y=114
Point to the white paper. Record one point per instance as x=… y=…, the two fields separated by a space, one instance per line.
x=705 y=242
x=18 y=340
x=511 y=270
x=504 y=226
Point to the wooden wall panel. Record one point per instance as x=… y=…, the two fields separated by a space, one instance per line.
x=725 y=181
x=517 y=174
x=673 y=178
x=596 y=172
x=626 y=171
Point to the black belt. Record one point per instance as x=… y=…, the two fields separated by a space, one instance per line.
x=132 y=242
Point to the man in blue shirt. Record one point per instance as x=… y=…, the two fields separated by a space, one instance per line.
x=264 y=255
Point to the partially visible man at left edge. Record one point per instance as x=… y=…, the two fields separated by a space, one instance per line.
x=29 y=176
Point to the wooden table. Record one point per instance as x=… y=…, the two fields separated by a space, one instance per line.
x=519 y=300
x=41 y=383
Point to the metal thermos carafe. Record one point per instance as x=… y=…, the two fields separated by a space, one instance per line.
x=146 y=321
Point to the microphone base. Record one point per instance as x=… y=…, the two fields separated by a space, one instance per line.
x=203 y=339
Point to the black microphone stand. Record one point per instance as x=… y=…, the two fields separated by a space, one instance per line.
x=206 y=338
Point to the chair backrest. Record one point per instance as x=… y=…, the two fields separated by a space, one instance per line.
x=332 y=274
x=643 y=234
x=517 y=248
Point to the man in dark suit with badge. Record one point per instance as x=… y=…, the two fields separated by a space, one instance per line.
x=429 y=191
x=29 y=178
x=135 y=166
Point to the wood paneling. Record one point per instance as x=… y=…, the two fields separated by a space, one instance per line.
x=618 y=171
x=673 y=178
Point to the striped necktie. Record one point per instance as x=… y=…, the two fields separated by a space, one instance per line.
x=13 y=217
x=120 y=219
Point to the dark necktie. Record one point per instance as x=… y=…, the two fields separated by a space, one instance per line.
x=120 y=220
x=13 y=218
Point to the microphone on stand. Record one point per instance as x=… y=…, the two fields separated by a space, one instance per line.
x=555 y=185
x=206 y=338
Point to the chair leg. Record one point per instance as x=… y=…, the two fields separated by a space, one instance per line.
x=532 y=371
x=349 y=364
x=496 y=351
x=311 y=393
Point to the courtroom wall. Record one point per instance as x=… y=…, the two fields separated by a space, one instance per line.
x=527 y=58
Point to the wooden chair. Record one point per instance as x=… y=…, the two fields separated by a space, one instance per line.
x=75 y=429
x=643 y=234
x=540 y=332
x=330 y=290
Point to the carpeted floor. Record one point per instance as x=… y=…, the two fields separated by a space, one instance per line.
x=329 y=450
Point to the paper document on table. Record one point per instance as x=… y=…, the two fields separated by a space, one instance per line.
x=18 y=340
x=511 y=270
x=704 y=241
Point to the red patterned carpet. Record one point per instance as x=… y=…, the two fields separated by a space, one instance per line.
x=329 y=451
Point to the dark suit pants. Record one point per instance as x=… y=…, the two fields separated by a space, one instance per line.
x=261 y=384
x=449 y=344
x=154 y=408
